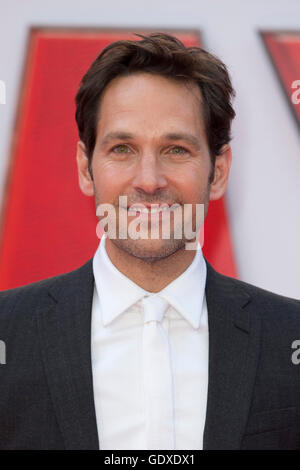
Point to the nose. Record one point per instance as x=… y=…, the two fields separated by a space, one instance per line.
x=149 y=176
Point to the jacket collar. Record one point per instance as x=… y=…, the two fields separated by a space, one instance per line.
x=65 y=336
x=234 y=338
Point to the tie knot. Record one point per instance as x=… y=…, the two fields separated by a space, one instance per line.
x=154 y=308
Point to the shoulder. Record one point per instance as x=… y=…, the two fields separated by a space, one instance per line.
x=259 y=293
x=30 y=295
x=267 y=304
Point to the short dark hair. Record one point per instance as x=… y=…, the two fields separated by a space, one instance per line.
x=160 y=54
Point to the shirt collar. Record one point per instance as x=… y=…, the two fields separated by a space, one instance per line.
x=186 y=292
x=117 y=292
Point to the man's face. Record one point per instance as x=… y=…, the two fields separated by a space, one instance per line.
x=151 y=147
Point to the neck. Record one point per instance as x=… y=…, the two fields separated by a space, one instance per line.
x=152 y=276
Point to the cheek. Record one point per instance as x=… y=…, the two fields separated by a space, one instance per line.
x=108 y=182
x=193 y=185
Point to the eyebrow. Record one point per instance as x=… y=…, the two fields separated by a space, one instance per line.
x=190 y=138
x=174 y=136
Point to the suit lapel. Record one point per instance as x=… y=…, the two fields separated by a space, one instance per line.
x=64 y=323
x=234 y=333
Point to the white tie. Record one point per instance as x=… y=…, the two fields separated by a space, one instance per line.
x=157 y=374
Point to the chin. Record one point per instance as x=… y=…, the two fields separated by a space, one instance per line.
x=150 y=250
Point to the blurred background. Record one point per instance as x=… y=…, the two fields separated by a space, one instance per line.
x=48 y=227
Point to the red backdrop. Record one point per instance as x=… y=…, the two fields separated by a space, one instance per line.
x=284 y=51
x=48 y=227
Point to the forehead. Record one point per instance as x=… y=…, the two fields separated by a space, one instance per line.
x=151 y=100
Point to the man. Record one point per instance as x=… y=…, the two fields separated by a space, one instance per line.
x=146 y=346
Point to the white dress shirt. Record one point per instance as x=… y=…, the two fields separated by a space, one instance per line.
x=116 y=347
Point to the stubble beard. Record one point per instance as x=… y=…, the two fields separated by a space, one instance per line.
x=152 y=250
x=149 y=250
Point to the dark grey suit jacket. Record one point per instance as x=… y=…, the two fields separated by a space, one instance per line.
x=46 y=392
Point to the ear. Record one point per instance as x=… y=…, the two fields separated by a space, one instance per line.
x=85 y=180
x=221 y=173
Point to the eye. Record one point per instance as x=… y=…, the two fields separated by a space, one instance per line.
x=121 y=148
x=178 y=150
